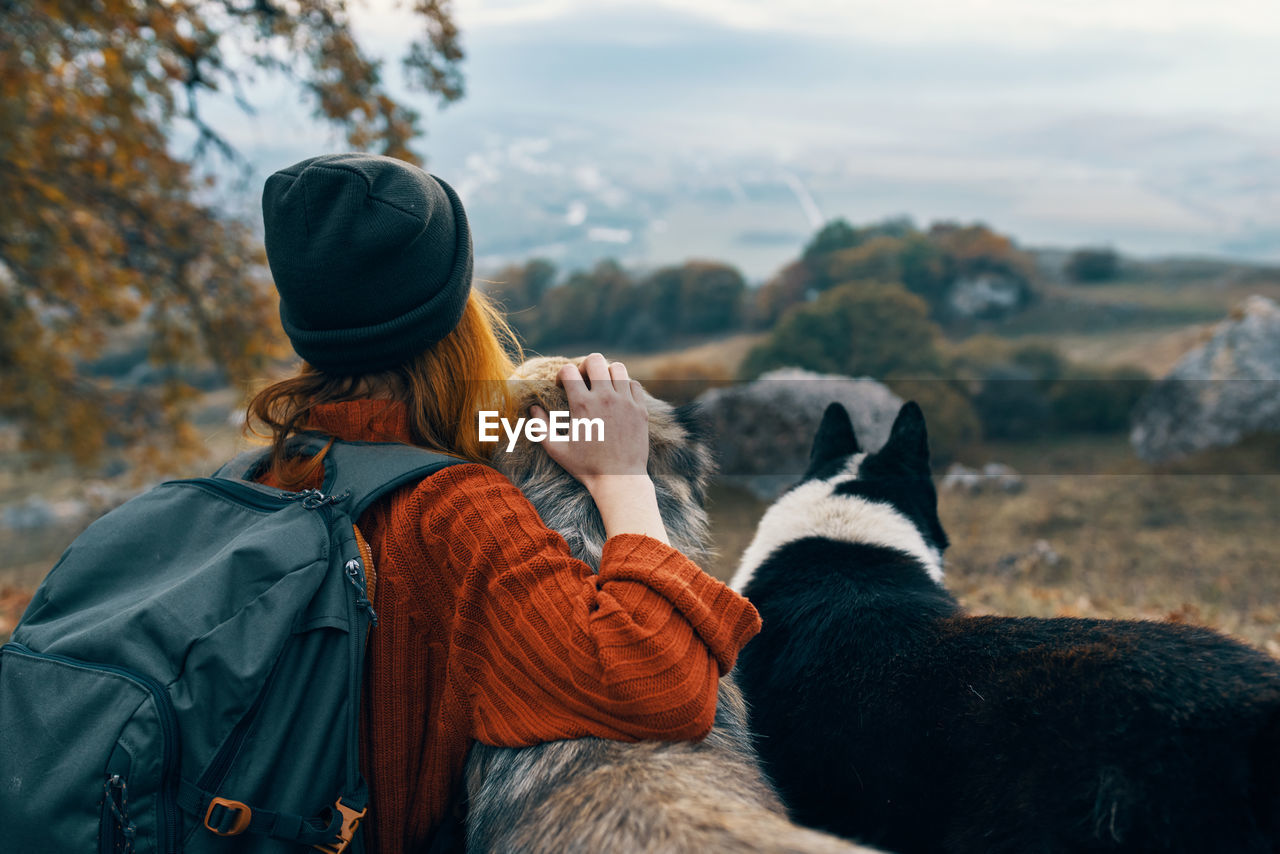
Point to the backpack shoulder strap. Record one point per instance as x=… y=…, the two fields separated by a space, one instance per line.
x=243 y=465
x=368 y=470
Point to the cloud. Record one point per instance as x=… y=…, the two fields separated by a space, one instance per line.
x=925 y=21
x=501 y=13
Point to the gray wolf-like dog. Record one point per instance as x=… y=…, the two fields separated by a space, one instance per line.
x=886 y=713
x=593 y=795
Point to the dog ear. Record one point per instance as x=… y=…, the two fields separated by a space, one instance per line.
x=908 y=439
x=834 y=440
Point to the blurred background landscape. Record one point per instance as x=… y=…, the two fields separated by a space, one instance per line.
x=1058 y=229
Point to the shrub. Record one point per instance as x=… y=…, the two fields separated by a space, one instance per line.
x=1097 y=401
x=974 y=358
x=695 y=297
x=953 y=422
x=643 y=333
x=858 y=329
x=877 y=259
x=1013 y=404
x=789 y=286
x=595 y=305
x=1093 y=265
x=1028 y=390
x=711 y=297
x=925 y=271
x=1042 y=361
x=1009 y=384
x=975 y=249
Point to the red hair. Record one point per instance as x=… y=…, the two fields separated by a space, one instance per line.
x=443 y=387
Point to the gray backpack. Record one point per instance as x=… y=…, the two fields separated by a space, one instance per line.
x=187 y=678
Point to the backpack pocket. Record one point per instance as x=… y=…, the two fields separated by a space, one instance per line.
x=88 y=760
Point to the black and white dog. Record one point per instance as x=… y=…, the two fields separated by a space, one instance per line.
x=884 y=713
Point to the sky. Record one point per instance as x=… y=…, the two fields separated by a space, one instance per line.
x=663 y=130
x=907 y=21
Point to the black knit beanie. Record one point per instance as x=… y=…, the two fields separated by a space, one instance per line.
x=371 y=256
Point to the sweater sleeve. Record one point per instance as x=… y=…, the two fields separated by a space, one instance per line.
x=551 y=649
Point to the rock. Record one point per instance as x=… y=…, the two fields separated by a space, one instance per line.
x=1220 y=392
x=1003 y=478
x=961 y=478
x=987 y=295
x=1041 y=561
x=764 y=429
x=992 y=477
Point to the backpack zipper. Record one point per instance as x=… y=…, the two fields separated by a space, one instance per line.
x=241 y=492
x=363 y=617
x=168 y=732
x=119 y=838
x=215 y=773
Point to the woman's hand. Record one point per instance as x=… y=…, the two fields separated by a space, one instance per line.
x=604 y=391
x=614 y=469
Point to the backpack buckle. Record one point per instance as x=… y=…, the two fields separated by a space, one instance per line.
x=350 y=822
x=226 y=817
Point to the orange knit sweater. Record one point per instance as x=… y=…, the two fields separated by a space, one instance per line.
x=489 y=629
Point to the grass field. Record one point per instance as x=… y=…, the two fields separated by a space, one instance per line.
x=1147 y=318
x=1097 y=534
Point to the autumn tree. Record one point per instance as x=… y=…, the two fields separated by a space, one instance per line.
x=975 y=249
x=927 y=263
x=877 y=259
x=106 y=229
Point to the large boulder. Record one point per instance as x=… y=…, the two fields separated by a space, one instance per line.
x=763 y=429
x=1222 y=391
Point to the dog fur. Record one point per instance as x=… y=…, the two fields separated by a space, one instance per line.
x=883 y=712
x=593 y=795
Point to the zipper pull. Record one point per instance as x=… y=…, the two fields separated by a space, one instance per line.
x=120 y=809
x=314 y=499
x=355 y=575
